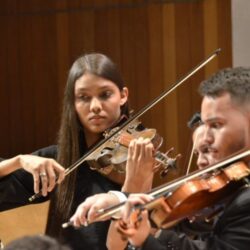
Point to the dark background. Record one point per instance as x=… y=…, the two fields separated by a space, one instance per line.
x=154 y=43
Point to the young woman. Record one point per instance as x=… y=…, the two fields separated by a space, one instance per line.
x=95 y=100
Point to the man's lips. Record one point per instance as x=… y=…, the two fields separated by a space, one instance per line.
x=212 y=150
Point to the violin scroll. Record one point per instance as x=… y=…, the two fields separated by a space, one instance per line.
x=171 y=163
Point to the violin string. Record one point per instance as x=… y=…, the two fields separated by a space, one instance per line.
x=125 y=139
x=136 y=116
x=142 y=111
x=165 y=188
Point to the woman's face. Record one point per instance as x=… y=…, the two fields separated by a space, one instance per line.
x=98 y=102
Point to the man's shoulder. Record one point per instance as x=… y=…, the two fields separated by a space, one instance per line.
x=240 y=201
x=243 y=196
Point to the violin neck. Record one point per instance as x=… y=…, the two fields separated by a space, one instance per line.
x=162 y=158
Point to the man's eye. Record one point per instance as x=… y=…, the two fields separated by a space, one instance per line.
x=216 y=125
x=196 y=153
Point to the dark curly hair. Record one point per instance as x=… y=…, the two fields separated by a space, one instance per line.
x=37 y=242
x=194 y=121
x=235 y=81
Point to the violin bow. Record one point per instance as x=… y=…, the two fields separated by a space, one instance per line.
x=166 y=188
x=138 y=114
x=191 y=155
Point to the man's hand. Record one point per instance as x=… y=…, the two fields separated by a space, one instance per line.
x=87 y=211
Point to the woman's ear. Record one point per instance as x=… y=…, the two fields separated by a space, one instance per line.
x=124 y=96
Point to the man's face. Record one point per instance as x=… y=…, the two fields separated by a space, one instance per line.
x=226 y=126
x=201 y=149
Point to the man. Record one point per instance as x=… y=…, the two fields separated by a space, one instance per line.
x=225 y=113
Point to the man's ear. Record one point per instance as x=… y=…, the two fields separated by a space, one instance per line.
x=124 y=96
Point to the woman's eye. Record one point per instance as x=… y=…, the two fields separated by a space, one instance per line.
x=105 y=95
x=84 y=98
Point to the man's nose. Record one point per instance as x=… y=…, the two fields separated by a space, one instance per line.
x=95 y=105
x=208 y=137
x=202 y=161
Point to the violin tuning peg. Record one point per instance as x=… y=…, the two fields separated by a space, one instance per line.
x=172 y=162
x=170 y=151
x=163 y=172
x=105 y=133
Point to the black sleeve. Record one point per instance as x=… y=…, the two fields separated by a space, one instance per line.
x=48 y=152
x=169 y=240
x=232 y=231
x=17 y=187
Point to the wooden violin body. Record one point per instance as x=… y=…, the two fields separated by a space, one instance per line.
x=113 y=154
x=197 y=194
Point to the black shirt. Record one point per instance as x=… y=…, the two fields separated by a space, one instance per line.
x=16 y=188
x=231 y=231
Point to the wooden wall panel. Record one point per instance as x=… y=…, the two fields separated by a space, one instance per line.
x=27 y=83
x=153 y=42
x=4 y=88
x=211 y=33
x=128 y=64
x=141 y=57
x=183 y=65
x=156 y=64
x=13 y=73
x=225 y=39
x=170 y=110
x=62 y=49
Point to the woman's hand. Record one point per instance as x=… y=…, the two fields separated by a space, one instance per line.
x=46 y=172
x=139 y=167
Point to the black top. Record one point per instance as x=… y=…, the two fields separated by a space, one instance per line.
x=231 y=231
x=16 y=188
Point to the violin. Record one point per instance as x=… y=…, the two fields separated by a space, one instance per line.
x=195 y=195
x=103 y=144
x=115 y=153
x=188 y=195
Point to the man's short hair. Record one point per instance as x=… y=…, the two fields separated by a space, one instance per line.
x=235 y=81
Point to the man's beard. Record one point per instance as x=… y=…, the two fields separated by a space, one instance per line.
x=235 y=147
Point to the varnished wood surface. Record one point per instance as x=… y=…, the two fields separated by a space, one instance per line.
x=154 y=43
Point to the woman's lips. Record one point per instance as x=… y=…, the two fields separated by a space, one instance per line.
x=96 y=119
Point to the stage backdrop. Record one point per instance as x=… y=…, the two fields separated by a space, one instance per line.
x=153 y=42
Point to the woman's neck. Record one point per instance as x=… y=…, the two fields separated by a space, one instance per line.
x=92 y=138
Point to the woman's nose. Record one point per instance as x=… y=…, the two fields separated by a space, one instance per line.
x=95 y=106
